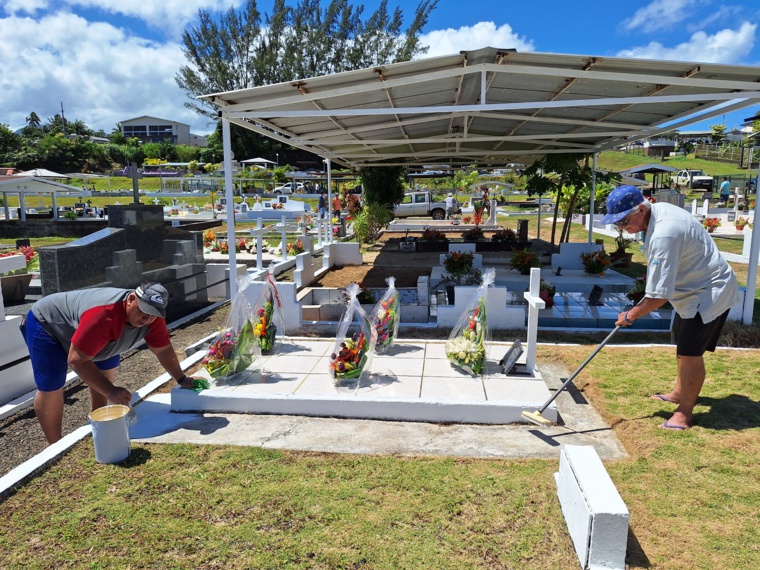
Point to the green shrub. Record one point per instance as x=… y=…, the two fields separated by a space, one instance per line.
x=372 y=219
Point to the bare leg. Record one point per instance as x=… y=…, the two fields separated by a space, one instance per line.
x=98 y=400
x=691 y=377
x=675 y=395
x=49 y=409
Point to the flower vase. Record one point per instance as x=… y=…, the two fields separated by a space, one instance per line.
x=710 y=230
x=525 y=271
x=547 y=299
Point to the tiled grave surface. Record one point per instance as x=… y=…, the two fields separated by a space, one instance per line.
x=571 y=310
x=412 y=382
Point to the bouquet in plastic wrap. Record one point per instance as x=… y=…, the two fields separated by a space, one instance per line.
x=466 y=347
x=267 y=315
x=235 y=347
x=352 y=353
x=385 y=316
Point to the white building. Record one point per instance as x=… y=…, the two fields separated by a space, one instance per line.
x=153 y=129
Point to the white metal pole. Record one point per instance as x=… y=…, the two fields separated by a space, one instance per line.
x=329 y=202
x=754 y=250
x=593 y=202
x=228 y=194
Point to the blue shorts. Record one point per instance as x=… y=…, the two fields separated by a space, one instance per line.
x=49 y=359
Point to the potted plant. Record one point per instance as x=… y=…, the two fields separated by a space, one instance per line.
x=596 y=262
x=432 y=240
x=15 y=284
x=711 y=224
x=430 y=234
x=547 y=292
x=741 y=222
x=458 y=262
x=524 y=259
x=636 y=293
x=620 y=256
x=296 y=247
x=473 y=234
x=504 y=235
x=472 y=278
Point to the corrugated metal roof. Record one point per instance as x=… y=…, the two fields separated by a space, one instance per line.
x=488 y=106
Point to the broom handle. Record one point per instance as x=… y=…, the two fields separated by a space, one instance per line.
x=581 y=367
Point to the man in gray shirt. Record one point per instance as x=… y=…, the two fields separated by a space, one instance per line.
x=87 y=330
x=684 y=267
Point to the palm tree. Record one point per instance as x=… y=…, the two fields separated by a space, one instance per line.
x=33 y=120
x=78 y=127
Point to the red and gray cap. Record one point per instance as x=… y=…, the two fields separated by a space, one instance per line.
x=152 y=298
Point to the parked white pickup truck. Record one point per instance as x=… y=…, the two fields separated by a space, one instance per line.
x=691 y=179
x=420 y=204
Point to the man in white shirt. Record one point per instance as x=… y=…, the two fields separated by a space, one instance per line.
x=684 y=267
x=451 y=203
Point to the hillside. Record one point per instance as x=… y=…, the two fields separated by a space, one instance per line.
x=616 y=161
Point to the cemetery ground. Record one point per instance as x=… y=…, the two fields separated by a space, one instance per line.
x=694 y=496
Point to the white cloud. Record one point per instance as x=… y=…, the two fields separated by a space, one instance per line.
x=726 y=46
x=482 y=34
x=100 y=73
x=660 y=15
x=24 y=6
x=171 y=16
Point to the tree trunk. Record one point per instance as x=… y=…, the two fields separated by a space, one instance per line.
x=565 y=237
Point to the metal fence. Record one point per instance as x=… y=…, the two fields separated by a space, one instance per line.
x=743 y=157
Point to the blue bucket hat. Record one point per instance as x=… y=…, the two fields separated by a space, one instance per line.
x=620 y=201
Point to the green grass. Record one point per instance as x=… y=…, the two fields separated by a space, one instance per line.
x=694 y=497
x=616 y=161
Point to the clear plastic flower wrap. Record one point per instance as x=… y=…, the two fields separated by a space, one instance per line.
x=235 y=348
x=466 y=347
x=385 y=317
x=268 y=316
x=352 y=352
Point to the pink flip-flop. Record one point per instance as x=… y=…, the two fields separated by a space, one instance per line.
x=666 y=425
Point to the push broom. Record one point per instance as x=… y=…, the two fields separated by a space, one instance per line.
x=536 y=416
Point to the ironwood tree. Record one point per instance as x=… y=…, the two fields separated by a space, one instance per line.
x=243 y=49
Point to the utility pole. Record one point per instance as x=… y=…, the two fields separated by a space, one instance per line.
x=63 y=121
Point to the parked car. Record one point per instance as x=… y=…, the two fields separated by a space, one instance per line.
x=691 y=179
x=290 y=188
x=420 y=204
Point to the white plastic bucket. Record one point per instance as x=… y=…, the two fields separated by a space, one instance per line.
x=110 y=433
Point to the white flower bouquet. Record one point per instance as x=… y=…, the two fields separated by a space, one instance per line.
x=466 y=347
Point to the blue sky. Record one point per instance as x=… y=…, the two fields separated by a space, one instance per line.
x=108 y=61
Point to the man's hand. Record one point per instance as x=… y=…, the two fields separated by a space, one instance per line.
x=621 y=320
x=120 y=396
x=187 y=383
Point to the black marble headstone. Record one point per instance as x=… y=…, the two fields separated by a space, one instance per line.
x=510 y=358
x=594 y=298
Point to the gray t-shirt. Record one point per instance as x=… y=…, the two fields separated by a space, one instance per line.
x=685 y=266
x=95 y=321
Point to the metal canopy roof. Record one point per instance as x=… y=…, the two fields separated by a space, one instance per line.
x=488 y=106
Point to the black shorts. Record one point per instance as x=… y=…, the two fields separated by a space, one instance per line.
x=692 y=337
